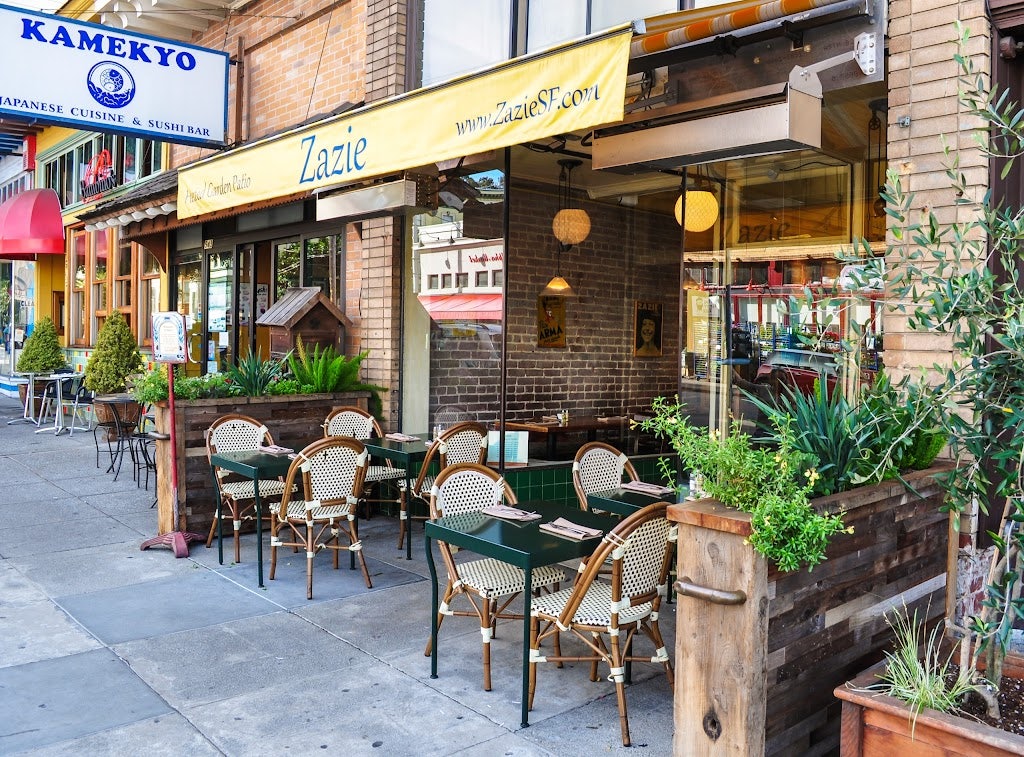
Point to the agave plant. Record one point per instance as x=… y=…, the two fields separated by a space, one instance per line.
x=253 y=375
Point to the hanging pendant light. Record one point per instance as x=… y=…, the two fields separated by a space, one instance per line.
x=570 y=225
x=701 y=206
x=557 y=287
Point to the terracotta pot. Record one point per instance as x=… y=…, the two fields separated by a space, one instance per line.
x=105 y=416
x=879 y=725
x=36 y=403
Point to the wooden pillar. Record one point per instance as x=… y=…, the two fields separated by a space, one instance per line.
x=721 y=634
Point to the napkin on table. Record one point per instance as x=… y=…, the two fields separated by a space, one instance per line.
x=275 y=449
x=644 y=488
x=509 y=513
x=569 y=530
x=397 y=437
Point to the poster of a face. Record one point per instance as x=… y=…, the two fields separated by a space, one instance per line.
x=647 y=329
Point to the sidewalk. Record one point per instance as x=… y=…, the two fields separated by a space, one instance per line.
x=106 y=649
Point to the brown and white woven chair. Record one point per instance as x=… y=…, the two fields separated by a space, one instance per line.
x=238 y=433
x=330 y=473
x=359 y=424
x=599 y=467
x=488 y=585
x=462 y=443
x=640 y=549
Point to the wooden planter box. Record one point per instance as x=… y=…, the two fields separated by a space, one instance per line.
x=293 y=420
x=881 y=726
x=757 y=677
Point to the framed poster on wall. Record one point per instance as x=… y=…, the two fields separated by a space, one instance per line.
x=551 y=322
x=647 y=328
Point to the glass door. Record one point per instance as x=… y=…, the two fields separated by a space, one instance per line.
x=220 y=304
x=190 y=305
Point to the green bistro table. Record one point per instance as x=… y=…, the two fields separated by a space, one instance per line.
x=627 y=501
x=406 y=454
x=517 y=543
x=253 y=465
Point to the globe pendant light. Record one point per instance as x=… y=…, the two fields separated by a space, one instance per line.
x=701 y=207
x=570 y=225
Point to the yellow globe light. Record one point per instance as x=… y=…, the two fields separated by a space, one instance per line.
x=701 y=210
x=571 y=225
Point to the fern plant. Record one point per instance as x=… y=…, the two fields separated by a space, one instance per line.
x=324 y=370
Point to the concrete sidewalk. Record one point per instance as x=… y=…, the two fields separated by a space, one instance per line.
x=106 y=649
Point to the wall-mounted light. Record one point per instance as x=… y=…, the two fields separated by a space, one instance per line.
x=570 y=225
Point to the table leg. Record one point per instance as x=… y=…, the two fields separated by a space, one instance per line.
x=26 y=412
x=259 y=531
x=408 y=510
x=527 y=603
x=433 y=606
x=552 y=445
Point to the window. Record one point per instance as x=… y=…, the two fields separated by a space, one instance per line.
x=286 y=267
x=312 y=262
x=432 y=280
x=149 y=295
x=460 y=37
x=79 y=258
x=123 y=274
x=102 y=162
x=498 y=278
x=446 y=281
x=462 y=279
x=550 y=23
x=100 y=278
x=481 y=278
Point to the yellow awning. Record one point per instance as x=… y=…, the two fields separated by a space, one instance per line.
x=673 y=29
x=566 y=88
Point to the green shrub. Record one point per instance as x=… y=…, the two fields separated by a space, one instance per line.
x=115 y=358
x=773 y=485
x=42 y=352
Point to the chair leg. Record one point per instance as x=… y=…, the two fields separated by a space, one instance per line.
x=309 y=560
x=534 y=649
x=403 y=517
x=620 y=688
x=485 y=634
x=275 y=527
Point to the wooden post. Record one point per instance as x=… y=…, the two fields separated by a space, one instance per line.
x=721 y=634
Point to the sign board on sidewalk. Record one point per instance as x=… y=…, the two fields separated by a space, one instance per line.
x=168 y=337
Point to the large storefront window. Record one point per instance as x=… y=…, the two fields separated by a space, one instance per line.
x=457 y=252
x=189 y=303
x=317 y=261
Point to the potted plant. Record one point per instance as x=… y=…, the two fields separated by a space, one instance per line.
x=41 y=354
x=963 y=280
x=115 y=358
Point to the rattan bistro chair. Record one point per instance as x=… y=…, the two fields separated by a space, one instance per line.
x=462 y=443
x=330 y=473
x=599 y=467
x=238 y=433
x=359 y=424
x=488 y=585
x=640 y=549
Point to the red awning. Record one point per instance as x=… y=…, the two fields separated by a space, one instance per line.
x=462 y=307
x=31 y=224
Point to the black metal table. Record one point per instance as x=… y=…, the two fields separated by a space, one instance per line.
x=406 y=454
x=253 y=465
x=518 y=543
x=627 y=501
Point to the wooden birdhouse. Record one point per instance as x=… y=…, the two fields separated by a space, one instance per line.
x=305 y=312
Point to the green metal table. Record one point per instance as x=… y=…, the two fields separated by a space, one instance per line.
x=517 y=543
x=627 y=501
x=406 y=454
x=253 y=465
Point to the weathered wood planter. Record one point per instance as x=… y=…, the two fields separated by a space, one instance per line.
x=293 y=420
x=875 y=725
x=756 y=676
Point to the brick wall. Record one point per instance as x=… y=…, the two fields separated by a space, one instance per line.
x=923 y=86
x=300 y=59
